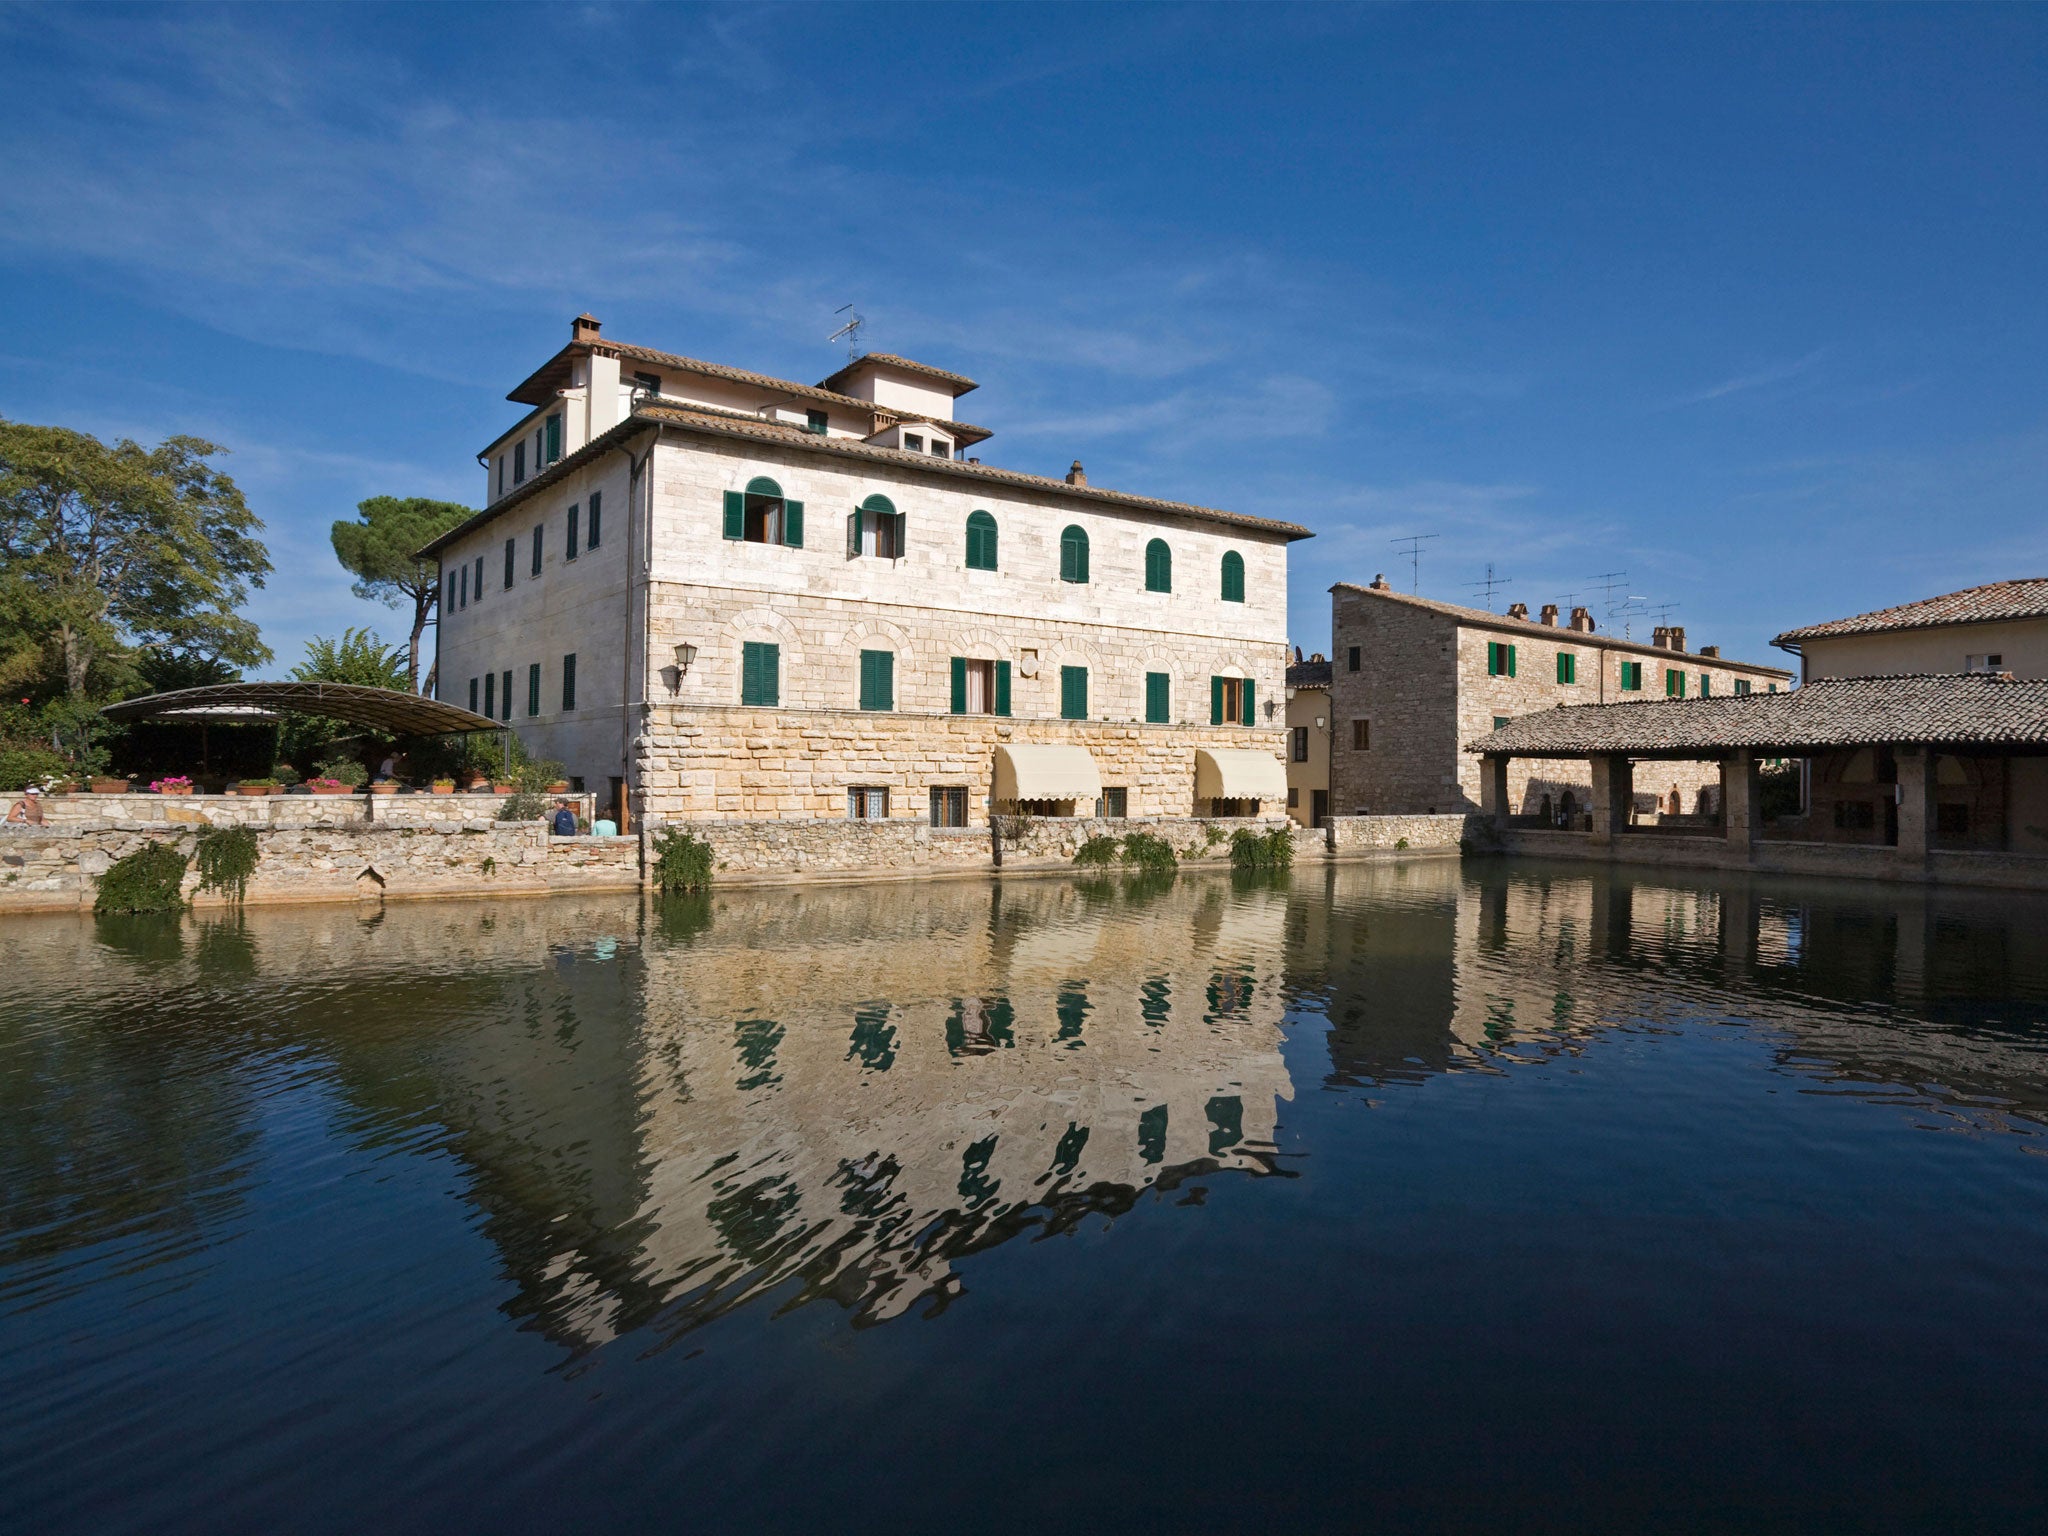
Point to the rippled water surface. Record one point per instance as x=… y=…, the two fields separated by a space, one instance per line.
x=1416 y=1197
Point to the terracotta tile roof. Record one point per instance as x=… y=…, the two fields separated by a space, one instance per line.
x=1960 y=709
x=893 y=361
x=715 y=423
x=1309 y=674
x=1480 y=618
x=2024 y=598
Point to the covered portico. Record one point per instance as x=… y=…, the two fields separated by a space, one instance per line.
x=1931 y=777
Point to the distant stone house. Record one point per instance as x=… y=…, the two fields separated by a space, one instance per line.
x=717 y=594
x=1999 y=627
x=1308 y=740
x=1413 y=680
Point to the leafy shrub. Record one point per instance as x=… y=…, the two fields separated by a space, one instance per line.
x=1096 y=851
x=226 y=857
x=147 y=880
x=23 y=766
x=1249 y=850
x=682 y=863
x=343 y=770
x=524 y=806
x=286 y=774
x=534 y=775
x=1150 y=852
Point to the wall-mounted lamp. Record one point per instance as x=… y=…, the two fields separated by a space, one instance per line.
x=1322 y=724
x=685 y=654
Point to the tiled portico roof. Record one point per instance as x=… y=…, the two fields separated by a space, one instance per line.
x=1946 y=709
x=2023 y=598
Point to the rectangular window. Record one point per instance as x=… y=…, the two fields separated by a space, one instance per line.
x=760 y=673
x=1351 y=659
x=878 y=680
x=913 y=442
x=1771 y=687
x=818 y=422
x=1500 y=659
x=554 y=438
x=980 y=687
x=1674 y=683
x=949 y=805
x=569 y=534
x=594 y=524
x=462 y=601
x=1567 y=667
x=532 y=690
x=1298 y=744
x=1631 y=676
x=1706 y=686
x=569 y=682
x=1073 y=693
x=1293 y=797
x=1500 y=722
x=867 y=802
x=491 y=695
x=479 y=578
x=880 y=534
x=505 y=697
x=1158 y=698
x=941 y=449
x=536 y=548
x=1114 y=801
x=1361 y=735
x=1741 y=685
x=519 y=462
x=1230 y=701
x=511 y=561
x=651 y=382
x=473 y=686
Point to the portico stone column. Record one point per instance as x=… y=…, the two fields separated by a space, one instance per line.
x=1493 y=790
x=1614 y=789
x=1741 y=786
x=1916 y=802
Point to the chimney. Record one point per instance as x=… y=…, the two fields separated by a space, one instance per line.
x=1519 y=611
x=1711 y=650
x=1379 y=584
x=1678 y=637
x=584 y=328
x=1317 y=656
x=1550 y=614
x=1077 y=475
x=974 y=461
x=1582 y=620
x=1297 y=655
x=1660 y=637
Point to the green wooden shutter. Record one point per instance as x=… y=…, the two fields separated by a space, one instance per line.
x=793 y=524
x=532 y=690
x=1002 y=687
x=959 y=685
x=505 y=701
x=1158 y=701
x=1073 y=693
x=1233 y=577
x=1492 y=659
x=878 y=680
x=735 y=515
x=1247 y=701
x=853 y=534
x=554 y=438
x=1511 y=661
x=902 y=534
x=1215 y=701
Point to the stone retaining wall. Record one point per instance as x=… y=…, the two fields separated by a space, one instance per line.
x=141 y=810
x=1372 y=834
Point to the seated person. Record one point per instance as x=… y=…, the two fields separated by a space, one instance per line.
x=28 y=810
x=564 y=823
x=604 y=827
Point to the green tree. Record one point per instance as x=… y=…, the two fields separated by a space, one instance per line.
x=380 y=549
x=358 y=657
x=107 y=549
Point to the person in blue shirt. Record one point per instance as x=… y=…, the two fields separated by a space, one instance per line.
x=565 y=819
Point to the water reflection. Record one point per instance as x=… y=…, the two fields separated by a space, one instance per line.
x=843 y=1095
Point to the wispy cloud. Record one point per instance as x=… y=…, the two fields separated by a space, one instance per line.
x=1743 y=383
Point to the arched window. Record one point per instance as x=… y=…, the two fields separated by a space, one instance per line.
x=1158 y=567
x=761 y=514
x=1233 y=577
x=875 y=527
x=1074 y=553
x=981 y=542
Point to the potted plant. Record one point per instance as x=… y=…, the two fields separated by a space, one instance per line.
x=505 y=787
x=343 y=771
x=106 y=786
x=444 y=786
x=259 y=787
x=177 y=784
x=327 y=786
x=383 y=786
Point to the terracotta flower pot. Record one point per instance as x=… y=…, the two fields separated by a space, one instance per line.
x=110 y=786
x=255 y=789
x=444 y=789
x=336 y=789
x=384 y=787
x=504 y=789
x=559 y=787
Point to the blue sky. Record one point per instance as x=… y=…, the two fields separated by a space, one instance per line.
x=1746 y=302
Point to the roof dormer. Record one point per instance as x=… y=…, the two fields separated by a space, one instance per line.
x=897 y=383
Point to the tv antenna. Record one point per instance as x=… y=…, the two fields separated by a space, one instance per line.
x=1609 y=583
x=1414 y=541
x=1489 y=584
x=851 y=331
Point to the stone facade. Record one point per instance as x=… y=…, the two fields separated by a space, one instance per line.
x=676 y=730
x=1373 y=834
x=1417 y=674
x=1308 y=741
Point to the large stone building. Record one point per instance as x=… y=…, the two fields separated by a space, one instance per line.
x=1412 y=681
x=716 y=594
x=1308 y=740
x=1999 y=627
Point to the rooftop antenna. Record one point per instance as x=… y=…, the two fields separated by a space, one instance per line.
x=1609 y=583
x=1490 y=583
x=851 y=331
x=1414 y=541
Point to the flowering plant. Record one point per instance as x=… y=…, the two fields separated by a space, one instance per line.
x=325 y=784
x=173 y=786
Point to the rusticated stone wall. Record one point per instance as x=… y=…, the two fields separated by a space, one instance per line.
x=134 y=811
x=1441 y=834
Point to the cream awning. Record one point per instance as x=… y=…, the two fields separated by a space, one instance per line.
x=1239 y=773
x=1046 y=773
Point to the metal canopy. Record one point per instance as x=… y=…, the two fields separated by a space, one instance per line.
x=383 y=709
